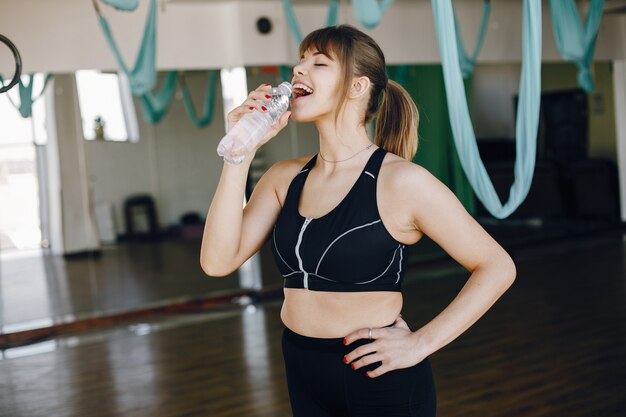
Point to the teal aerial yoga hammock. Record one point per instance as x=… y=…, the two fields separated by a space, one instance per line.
x=124 y=5
x=467 y=63
x=156 y=105
x=25 y=106
x=527 y=112
x=369 y=13
x=573 y=42
x=207 y=114
x=292 y=22
x=143 y=76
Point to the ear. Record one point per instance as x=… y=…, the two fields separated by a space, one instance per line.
x=360 y=87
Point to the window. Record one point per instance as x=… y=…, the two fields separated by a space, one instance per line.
x=234 y=88
x=19 y=187
x=106 y=106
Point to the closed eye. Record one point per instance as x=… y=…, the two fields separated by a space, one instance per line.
x=321 y=65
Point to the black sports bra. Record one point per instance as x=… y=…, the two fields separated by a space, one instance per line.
x=349 y=249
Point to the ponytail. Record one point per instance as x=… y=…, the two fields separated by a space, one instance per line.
x=397 y=121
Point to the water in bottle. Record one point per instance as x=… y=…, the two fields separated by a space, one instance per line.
x=242 y=138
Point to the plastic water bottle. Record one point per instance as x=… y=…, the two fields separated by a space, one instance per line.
x=252 y=127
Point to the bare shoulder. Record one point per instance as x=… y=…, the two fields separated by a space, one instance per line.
x=425 y=189
x=283 y=172
x=414 y=194
x=398 y=173
x=395 y=196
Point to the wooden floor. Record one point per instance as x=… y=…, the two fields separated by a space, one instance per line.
x=554 y=345
x=39 y=289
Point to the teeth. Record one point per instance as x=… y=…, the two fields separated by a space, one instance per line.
x=304 y=87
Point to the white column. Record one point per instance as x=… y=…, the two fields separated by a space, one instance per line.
x=71 y=211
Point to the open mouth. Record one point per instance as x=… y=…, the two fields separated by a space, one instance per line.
x=301 y=90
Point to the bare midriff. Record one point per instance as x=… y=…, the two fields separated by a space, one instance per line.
x=328 y=314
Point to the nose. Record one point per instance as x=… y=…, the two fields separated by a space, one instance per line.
x=298 y=69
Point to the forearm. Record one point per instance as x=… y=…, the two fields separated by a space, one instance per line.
x=480 y=292
x=222 y=229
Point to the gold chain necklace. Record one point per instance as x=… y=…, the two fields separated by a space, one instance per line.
x=368 y=146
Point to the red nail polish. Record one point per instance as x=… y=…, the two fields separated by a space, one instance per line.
x=345 y=360
x=267 y=84
x=352 y=365
x=263 y=107
x=251 y=108
x=268 y=96
x=345 y=342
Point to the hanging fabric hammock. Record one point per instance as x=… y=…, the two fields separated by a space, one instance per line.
x=156 y=105
x=467 y=63
x=123 y=5
x=25 y=107
x=369 y=13
x=527 y=112
x=573 y=42
x=142 y=79
x=143 y=76
x=207 y=115
x=292 y=22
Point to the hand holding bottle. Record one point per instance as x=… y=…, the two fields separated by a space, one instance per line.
x=258 y=119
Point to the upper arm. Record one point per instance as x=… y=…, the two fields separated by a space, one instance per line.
x=260 y=212
x=438 y=213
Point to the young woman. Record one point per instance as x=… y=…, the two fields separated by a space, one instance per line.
x=338 y=226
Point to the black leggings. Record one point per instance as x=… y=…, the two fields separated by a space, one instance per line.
x=321 y=385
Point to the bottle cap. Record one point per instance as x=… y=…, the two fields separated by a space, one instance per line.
x=285 y=88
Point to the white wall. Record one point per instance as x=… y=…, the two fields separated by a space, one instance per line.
x=64 y=35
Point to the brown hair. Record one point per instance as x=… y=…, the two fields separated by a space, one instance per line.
x=360 y=55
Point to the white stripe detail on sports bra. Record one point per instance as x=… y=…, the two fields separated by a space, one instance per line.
x=297 y=250
x=276 y=247
x=370 y=174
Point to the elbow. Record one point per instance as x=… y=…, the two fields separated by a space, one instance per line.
x=502 y=269
x=509 y=271
x=212 y=270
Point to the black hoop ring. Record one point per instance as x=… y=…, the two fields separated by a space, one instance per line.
x=18 y=64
